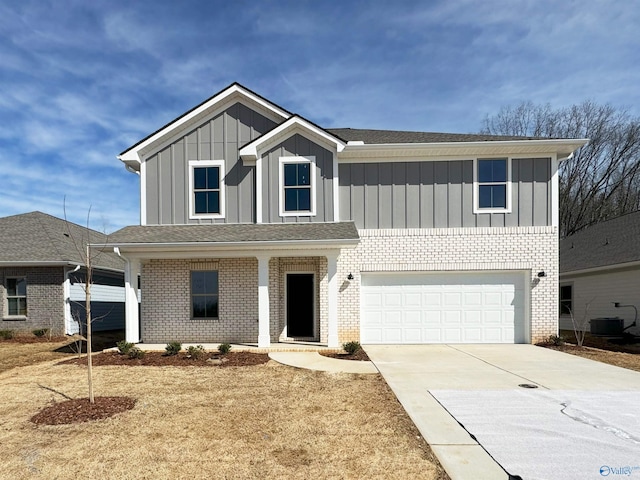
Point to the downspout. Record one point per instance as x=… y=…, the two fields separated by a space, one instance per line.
x=66 y=289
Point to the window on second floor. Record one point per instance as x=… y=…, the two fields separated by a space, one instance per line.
x=206 y=180
x=492 y=185
x=297 y=186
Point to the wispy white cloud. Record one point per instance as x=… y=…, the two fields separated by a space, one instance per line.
x=82 y=81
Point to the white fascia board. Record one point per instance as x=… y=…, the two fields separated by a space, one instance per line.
x=249 y=153
x=232 y=249
x=53 y=263
x=601 y=269
x=404 y=152
x=133 y=157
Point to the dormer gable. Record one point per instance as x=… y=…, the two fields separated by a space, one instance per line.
x=293 y=125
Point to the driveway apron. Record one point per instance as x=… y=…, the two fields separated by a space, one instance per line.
x=420 y=374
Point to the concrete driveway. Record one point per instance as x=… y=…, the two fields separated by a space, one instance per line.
x=412 y=371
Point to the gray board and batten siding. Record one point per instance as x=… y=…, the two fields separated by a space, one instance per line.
x=167 y=172
x=297 y=145
x=438 y=194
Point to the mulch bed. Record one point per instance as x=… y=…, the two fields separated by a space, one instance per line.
x=79 y=410
x=159 y=359
x=360 y=355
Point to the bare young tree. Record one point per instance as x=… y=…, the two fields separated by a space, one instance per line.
x=602 y=179
x=580 y=324
x=81 y=239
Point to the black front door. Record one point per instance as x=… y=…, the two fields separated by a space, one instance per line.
x=300 y=305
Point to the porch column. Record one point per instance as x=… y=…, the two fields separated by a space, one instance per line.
x=264 y=337
x=332 y=298
x=132 y=325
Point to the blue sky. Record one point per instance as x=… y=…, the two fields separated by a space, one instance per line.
x=80 y=81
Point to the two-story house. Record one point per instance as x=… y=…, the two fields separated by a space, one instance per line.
x=259 y=226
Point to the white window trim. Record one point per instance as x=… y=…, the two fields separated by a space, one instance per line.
x=300 y=159
x=7 y=296
x=206 y=163
x=476 y=184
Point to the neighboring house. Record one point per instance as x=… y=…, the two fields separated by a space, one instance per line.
x=600 y=265
x=259 y=226
x=42 y=276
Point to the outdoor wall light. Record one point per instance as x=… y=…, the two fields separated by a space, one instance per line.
x=350 y=276
x=541 y=274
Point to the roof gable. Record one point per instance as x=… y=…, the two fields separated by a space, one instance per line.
x=132 y=157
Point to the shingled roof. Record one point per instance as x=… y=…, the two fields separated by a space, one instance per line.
x=395 y=136
x=609 y=243
x=36 y=237
x=234 y=233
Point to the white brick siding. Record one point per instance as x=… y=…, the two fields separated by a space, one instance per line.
x=166 y=295
x=531 y=249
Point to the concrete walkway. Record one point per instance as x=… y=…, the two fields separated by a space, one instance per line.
x=412 y=370
x=315 y=361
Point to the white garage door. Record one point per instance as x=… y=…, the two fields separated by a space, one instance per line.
x=474 y=307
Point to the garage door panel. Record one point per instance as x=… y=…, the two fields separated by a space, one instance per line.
x=392 y=299
x=431 y=299
x=412 y=317
x=477 y=307
x=453 y=298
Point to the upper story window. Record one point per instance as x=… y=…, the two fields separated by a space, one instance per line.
x=492 y=191
x=206 y=180
x=16 y=297
x=297 y=186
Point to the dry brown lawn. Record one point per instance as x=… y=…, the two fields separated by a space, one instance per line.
x=14 y=354
x=266 y=421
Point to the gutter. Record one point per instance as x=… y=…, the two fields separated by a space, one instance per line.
x=617 y=266
x=253 y=245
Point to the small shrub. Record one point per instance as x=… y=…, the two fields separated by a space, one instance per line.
x=224 y=348
x=135 y=352
x=351 y=347
x=6 y=334
x=556 y=340
x=173 y=348
x=196 y=353
x=40 y=332
x=124 y=347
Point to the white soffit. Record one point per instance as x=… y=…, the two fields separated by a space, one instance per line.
x=358 y=153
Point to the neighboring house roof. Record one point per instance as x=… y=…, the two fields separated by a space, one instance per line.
x=235 y=233
x=379 y=137
x=37 y=238
x=607 y=244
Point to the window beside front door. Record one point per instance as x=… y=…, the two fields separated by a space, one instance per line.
x=297 y=186
x=492 y=187
x=204 y=294
x=16 y=297
x=207 y=189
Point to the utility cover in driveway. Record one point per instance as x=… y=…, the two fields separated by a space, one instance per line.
x=460 y=307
